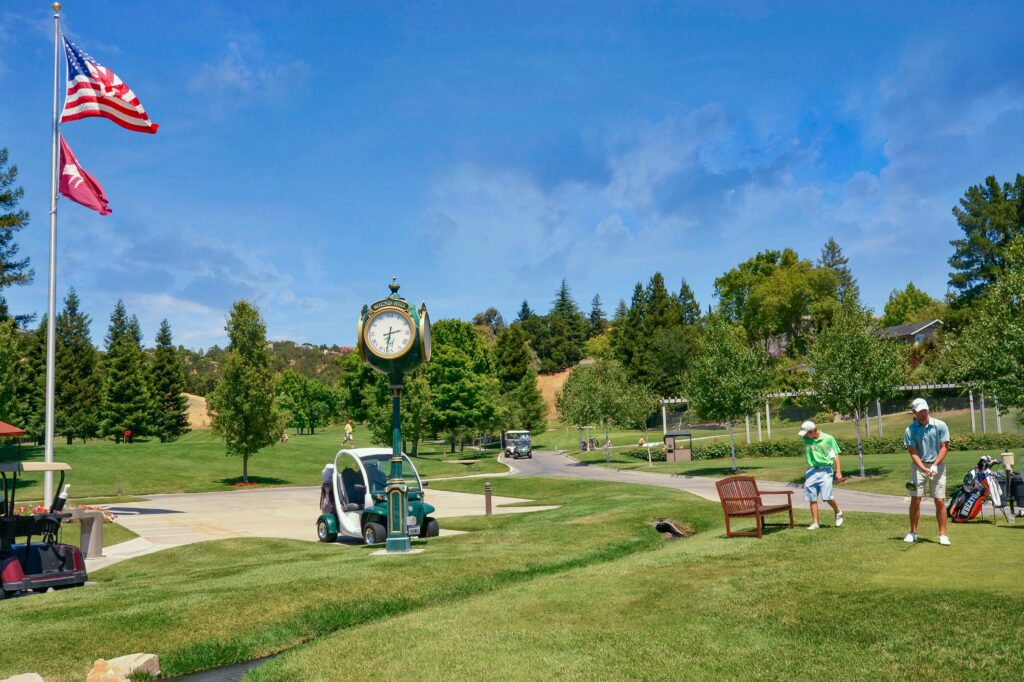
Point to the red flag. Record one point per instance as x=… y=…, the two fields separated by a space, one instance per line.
x=76 y=183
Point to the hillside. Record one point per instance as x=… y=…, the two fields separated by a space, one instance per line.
x=549 y=385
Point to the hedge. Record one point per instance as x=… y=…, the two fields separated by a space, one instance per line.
x=872 y=446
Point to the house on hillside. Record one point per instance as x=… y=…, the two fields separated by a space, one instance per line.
x=912 y=334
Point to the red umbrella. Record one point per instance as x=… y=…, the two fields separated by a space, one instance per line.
x=6 y=430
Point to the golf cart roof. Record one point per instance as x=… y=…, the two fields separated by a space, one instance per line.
x=369 y=452
x=513 y=433
x=33 y=466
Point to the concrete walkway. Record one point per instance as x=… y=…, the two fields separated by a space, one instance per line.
x=558 y=464
x=164 y=521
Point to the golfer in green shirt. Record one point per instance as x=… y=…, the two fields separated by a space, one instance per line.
x=822 y=452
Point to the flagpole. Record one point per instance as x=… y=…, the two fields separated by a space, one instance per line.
x=51 y=319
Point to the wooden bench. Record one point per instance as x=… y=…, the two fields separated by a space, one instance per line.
x=740 y=497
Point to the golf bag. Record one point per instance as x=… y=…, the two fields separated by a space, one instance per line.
x=979 y=484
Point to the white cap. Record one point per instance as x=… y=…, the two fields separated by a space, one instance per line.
x=918 y=405
x=807 y=426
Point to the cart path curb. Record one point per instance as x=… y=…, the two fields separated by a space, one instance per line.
x=558 y=463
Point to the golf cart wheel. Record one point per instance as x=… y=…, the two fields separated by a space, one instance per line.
x=430 y=528
x=374 y=533
x=323 y=532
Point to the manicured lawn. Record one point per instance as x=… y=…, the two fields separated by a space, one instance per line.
x=586 y=591
x=197 y=463
x=850 y=603
x=113 y=534
x=885 y=473
x=562 y=437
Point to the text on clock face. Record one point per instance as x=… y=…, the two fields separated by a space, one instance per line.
x=389 y=333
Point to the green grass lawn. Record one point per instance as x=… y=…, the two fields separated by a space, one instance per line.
x=562 y=437
x=585 y=591
x=885 y=473
x=196 y=463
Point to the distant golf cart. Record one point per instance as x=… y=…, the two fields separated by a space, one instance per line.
x=35 y=566
x=353 y=502
x=517 y=444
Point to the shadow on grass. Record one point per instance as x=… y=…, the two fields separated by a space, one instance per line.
x=766 y=530
x=253 y=481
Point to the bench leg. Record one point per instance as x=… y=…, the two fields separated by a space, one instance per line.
x=760 y=524
x=790 y=516
x=728 y=530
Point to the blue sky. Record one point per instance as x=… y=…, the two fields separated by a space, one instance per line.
x=482 y=152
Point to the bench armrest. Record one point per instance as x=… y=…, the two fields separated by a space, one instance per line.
x=755 y=500
x=775 y=492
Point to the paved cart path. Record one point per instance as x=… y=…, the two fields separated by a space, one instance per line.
x=164 y=521
x=558 y=464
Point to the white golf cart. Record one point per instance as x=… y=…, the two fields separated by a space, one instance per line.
x=353 y=501
x=517 y=444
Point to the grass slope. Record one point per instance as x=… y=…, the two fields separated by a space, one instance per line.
x=885 y=473
x=196 y=463
x=585 y=591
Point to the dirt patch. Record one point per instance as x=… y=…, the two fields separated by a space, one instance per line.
x=198 y=417
x=549 y=385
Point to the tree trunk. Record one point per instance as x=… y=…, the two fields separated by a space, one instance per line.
x=732 y=443
x=245 y=468
x=453 y=444
x=415 y=443
x=71 y=438
x=860 y=447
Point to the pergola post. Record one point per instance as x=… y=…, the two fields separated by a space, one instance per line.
x=999 y=420
x=768 y=418
x=984 y=420
x=747 y=420
x=970 y=396
x=878 y=413
x=758 y=425
x=664 y=419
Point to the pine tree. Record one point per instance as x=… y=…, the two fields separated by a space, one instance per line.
x=512 y=359
x=990 y=216
x=76 y=381
x=30 y=396
x=832 y=258
x=242 y=406
x=620 y=312
x=167 y=387
x=597 y=321
x=689 y=305
x=14 y=271
x=10 y=361
x=565 y=309
x=124 y=402
x=525 y=312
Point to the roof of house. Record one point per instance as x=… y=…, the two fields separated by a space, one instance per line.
x=908 y=329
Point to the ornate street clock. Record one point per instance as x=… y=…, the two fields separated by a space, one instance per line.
x=394 y=339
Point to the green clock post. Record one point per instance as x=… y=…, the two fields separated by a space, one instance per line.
x=394 y=339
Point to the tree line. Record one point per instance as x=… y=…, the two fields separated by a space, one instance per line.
x=96 y=394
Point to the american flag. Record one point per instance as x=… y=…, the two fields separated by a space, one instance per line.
x=94 y=90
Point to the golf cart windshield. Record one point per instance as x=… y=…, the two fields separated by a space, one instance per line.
x=523 y=441
x=378 y=469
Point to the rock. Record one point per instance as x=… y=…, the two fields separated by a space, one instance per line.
x=26 y=677
x=118 y=669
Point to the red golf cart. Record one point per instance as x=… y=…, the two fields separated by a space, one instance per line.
x=43 y=564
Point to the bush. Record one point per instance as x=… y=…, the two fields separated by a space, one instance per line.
x=872 y=446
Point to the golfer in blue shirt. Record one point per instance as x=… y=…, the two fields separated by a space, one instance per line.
x=927 y=441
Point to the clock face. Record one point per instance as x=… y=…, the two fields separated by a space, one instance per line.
x=388 y=334
x=425 y=334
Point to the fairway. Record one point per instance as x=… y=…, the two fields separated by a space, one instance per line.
x=885 y=473
x=584 y=591
x=196 y=463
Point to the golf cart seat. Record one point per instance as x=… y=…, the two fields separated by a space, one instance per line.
x=355 y=493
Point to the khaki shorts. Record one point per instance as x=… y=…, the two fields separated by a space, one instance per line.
x=937 y=485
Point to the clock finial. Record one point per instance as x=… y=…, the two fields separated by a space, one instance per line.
x=394 y=286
